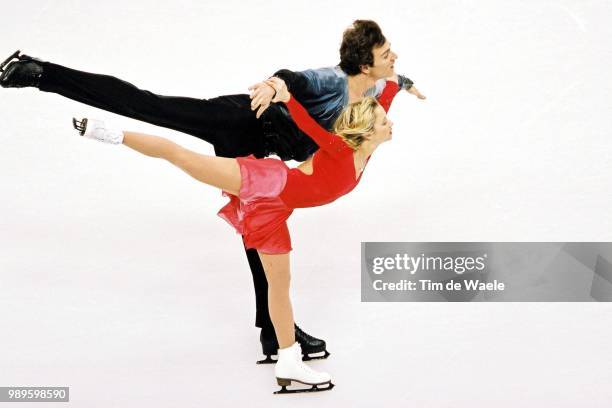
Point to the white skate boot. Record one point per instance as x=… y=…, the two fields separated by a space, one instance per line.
x=291 y=368
x=97 y=129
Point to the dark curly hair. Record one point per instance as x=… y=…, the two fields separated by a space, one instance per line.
x=357 y=43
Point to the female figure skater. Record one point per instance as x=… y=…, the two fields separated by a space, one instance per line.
x=264 y=192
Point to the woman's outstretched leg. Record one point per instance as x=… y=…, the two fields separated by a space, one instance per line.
x=220 y=172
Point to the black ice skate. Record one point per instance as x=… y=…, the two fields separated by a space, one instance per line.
x=24 y=72
x=9 y=59
x=312 y=347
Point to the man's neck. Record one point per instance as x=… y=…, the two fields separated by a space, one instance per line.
x=357 y=85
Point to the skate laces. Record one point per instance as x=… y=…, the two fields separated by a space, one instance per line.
x=303 y=366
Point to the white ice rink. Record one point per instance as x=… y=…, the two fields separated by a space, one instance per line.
x=118 y=280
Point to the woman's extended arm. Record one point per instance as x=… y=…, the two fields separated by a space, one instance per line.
x=391 y=89
x=308 y=125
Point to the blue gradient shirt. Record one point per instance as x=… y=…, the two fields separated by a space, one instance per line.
x=324 y=91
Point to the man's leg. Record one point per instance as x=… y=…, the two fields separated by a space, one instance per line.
x=226 y=122
x=262 y=315
x=222 y=123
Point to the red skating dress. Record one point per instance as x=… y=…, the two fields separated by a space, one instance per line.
x=270 y=190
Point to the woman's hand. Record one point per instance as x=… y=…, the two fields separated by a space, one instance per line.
x=261 y=96
x=282 y=93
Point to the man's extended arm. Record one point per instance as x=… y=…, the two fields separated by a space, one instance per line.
x=309 y=82
x=408 y=85
x=296 y=82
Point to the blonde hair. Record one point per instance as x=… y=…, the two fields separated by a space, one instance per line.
x=356 y=121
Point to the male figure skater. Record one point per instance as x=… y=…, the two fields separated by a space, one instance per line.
x=237 y=125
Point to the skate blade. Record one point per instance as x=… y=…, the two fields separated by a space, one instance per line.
x=267 y=360
x=305 y=357
x=283 y=382
x=312 y=356
x=9 y=59
x=80 y=125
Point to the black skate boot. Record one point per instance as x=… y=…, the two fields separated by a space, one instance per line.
x=310 y=345
x=24 y=72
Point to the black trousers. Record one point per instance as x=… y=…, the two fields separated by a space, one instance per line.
x=226 y=122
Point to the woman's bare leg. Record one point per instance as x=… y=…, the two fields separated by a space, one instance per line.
x=220 y=172
x=279 y=304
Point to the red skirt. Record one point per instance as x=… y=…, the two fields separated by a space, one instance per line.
x=257 y=213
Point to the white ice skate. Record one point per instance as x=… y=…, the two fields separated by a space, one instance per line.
x=98 y=130
x=291 y=368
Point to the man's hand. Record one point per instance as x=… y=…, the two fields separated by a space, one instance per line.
x=416 y=92
x=261 y=96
